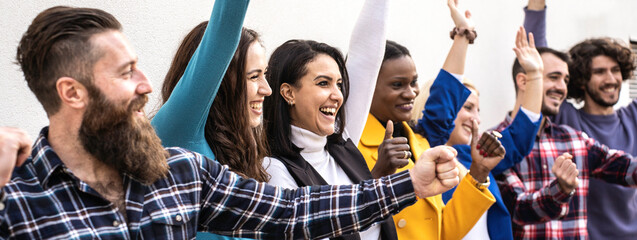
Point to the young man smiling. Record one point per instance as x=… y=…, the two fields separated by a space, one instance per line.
x=598 y=68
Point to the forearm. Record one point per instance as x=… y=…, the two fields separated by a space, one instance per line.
x=530 y=207
x=365 y=56
x=306 y=212
x=518 y=139
x=535 y=22
x=464 y=209
x=183 y=116
x=613 y=166
x=455 y=61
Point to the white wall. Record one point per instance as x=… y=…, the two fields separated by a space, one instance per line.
x=156 y=27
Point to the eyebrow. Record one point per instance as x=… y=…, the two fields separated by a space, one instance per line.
x=254 y=71
x=324 y=76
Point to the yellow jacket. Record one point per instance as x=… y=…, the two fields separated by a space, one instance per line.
x=429 y=218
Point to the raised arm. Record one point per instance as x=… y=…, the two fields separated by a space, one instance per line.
x=447 y=94
x=365 y=56
x=181 y=120
x=518 y=137
x=535 y=21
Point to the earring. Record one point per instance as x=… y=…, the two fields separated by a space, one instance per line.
x=291 y=102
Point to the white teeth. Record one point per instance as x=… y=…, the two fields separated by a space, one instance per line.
x=328 y=110
x=609 y=90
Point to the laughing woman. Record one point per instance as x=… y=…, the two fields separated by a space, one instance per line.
x=229 y=126
x=310 y=141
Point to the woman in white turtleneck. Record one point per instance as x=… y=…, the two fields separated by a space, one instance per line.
x=310 y=141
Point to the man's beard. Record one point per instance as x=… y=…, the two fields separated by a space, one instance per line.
x=595 y=96
x=116 y=136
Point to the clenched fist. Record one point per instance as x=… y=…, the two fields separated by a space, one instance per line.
x=15 y=146
x=566 y=173
x=435 y=171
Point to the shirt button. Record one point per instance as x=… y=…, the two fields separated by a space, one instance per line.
x=178 y=218
x=115 y=223
x=402 y=223
x=544 y=166
x=1 y=206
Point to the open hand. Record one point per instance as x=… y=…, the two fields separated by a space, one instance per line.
x=393 y=153
x=566 y=172
x=527 y=54
x=459 y=19
x=15 y=148
x=435 y=171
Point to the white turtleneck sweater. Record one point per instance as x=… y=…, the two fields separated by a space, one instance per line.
x=315 y=154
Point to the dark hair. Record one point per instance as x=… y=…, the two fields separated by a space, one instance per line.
x=394 y=50
x=227 y=131
x=517 y=68
x=288 y=64
x=57 y=44
x=583 y=54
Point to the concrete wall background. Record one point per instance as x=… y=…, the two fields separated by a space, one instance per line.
x=156 y=27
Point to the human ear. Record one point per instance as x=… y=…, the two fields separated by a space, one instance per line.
x=520 y=81
x=71 y=92
x=287 y=93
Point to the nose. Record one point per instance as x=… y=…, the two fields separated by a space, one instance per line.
x=264 y=88
x=336 y=94
x=144 y=86
x=410 y=92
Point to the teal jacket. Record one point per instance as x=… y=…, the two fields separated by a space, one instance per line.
x=180 y=122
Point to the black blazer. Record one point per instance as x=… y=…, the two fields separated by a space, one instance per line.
x=350 y=159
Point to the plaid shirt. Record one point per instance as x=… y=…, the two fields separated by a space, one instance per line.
x=540 y=210
x=44 y=200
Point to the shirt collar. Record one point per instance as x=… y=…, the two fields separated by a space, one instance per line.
x=44 y=160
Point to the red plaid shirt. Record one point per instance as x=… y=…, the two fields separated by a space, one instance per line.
x=530 y=190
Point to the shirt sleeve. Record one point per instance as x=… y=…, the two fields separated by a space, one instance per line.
x=517 y=139
x=239 y=207
x=181 y=120
x=535 y=22
x=447 y=95
x=610 y=165
x=530 y=207
x=366 y=52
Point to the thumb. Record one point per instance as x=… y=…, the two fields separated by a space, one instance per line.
x=474 y=133
x=389 y=130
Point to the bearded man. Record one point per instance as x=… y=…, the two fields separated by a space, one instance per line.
x=98 y=171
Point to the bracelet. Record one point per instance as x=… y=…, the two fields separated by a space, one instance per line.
x=469 y=34
x=480 y=186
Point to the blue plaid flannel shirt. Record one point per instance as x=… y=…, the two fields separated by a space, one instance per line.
x=44 y=200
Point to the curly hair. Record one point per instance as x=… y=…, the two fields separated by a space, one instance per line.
x=227 y=130
x=582 y=55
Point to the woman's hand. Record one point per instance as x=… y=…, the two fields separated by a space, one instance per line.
x=461 y=20
x=486 y=153
x=393 y=153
